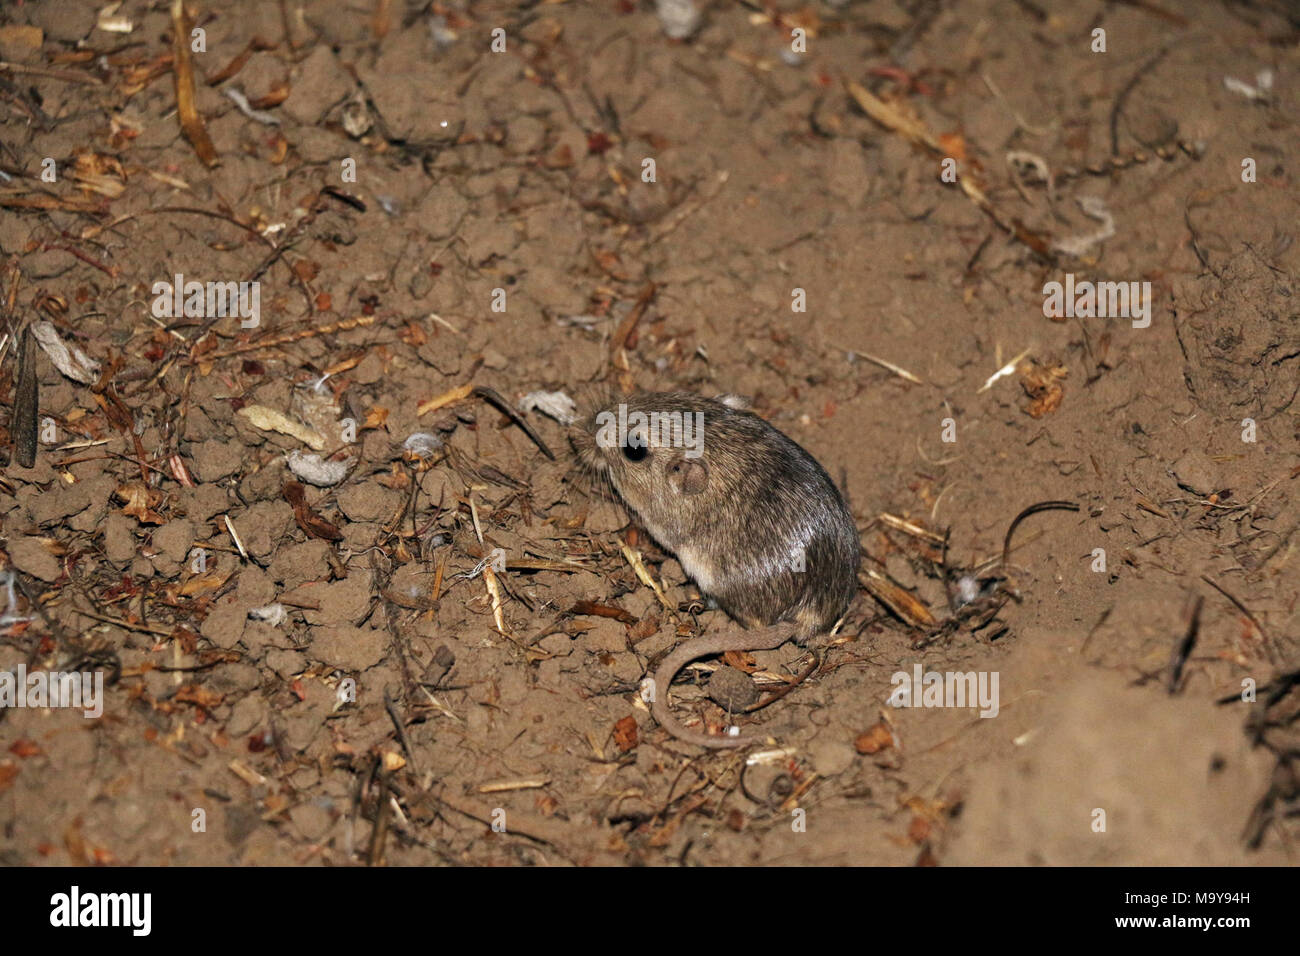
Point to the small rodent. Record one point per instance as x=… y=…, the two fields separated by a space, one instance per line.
x=751 y=516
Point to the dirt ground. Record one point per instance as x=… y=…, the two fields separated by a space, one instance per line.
x=304 y=673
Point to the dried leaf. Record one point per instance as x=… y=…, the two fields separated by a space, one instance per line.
x=110 y=21
x=310 y=522
x=99 y=173
x=625 y=734
x=603 y=610
x=953 y=145
x=274 y=97
x=140 y=502
x=1042 y=384
x=268 y=419
x=68 y=359
x=198 y=696
x=897 y=600
x=456 y=394
x=893 y=118
x=874 y=739
x=211 y=581
x=393 y=761
x=305 y=269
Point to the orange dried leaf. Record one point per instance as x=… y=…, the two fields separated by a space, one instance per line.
x=199 y=696
x=22 y=747
x=625 y=734
x=953 y=145
x=1042 y=384
x=413 y=335
x=305 y=269
x=874 y=739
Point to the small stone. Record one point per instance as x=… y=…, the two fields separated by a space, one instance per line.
x=318 y=82
x=369 y=501
x=1195 y=472
x=119 y=542
x=216 y=459
x=262 y=525
x=203 y=502
x=348 y=648
x=31 y=557
x=174 y=539
x=311 y=821
x=297 y=564
x=246 y=716
x=59 y=503
x=1151 y=127
x=336 y=602
x=678 y=18
x=100 y=491
x=830 y=757
x=732 y=690
x=224 y=625
x=255 y=588
x=241 y=820
x=284 y=662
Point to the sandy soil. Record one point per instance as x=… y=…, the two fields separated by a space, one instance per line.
x=325 y=674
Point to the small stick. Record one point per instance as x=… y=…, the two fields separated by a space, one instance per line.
x=492 y=398
x=567 y=839
x=1183 y=649
x=1240 y=607
x=462 y=392
x=629 y=324
x=401 y=731
x=1002 y=372
x=93 y=231
x=383 y=816
x=1124 y=94
x=67 y=76
x=343 y=325
x=124 y=625
x=889 y=366
x=26 y=398
x=234 y=535
x=780 y=692
x=909 y=527
x=183 y=71
x=1032 y=509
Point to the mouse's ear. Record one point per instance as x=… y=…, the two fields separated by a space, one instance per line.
x=688 y=476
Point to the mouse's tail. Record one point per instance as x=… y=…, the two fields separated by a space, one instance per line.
x=762 y=639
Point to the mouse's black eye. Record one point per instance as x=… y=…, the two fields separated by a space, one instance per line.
x=635 y=452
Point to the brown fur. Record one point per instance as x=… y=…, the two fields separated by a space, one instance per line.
x=754 y=519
